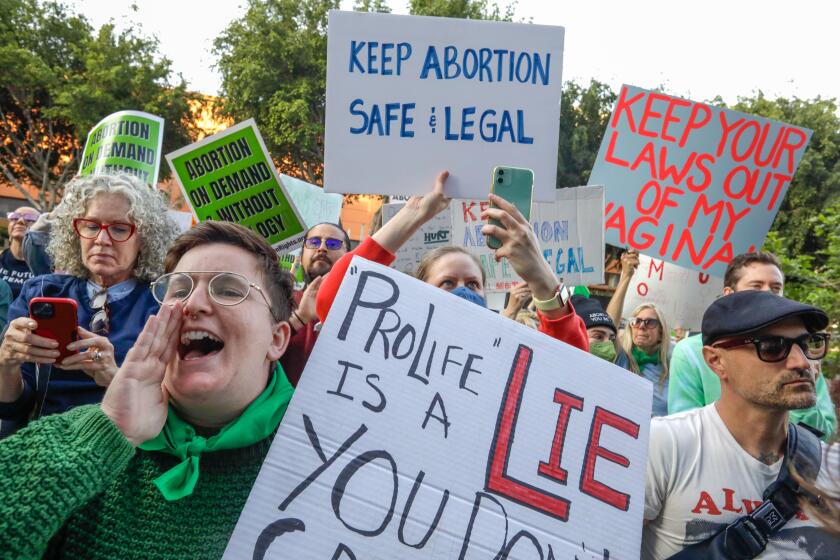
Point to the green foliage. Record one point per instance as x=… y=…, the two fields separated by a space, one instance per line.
x=273 y=62
x=372 y=6
x=815 y=277
x=467 y=9
x=584 y=113
x=59 y=78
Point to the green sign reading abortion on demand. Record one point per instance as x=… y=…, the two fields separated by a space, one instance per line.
x=125 y=142
x=230 y=176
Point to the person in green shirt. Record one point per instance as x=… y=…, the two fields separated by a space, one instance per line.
x=694 y=385
x=162 y=468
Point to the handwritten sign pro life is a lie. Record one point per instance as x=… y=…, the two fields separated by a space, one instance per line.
x=426 y=426
x=410 y=96
x=693 y=184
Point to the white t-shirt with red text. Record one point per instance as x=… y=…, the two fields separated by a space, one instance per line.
x=699 y=479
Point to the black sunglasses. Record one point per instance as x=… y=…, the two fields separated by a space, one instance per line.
x=775 y=348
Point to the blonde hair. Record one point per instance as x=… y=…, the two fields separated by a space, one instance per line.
x=147 y=211
x=664 y=346
x=432 y=256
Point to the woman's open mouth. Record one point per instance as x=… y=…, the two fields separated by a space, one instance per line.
x=197 y=344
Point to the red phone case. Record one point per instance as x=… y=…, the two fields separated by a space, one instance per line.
x=61 y=326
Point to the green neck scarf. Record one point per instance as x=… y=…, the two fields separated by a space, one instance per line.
x=178 y=438
x=642 y=358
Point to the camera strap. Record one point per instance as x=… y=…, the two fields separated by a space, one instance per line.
x=747 y=537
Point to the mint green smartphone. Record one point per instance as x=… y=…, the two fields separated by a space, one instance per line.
x=516 y=185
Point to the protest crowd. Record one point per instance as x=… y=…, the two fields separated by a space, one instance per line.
x=148 y=370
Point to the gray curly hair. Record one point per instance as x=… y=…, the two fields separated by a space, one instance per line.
x=147 y=211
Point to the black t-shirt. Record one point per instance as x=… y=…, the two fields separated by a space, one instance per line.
x=14 y=272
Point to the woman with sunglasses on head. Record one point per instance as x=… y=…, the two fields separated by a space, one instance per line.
x=13 y=267
x=109 y=236
x=646 y=340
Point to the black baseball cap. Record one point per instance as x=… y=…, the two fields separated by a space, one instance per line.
x=752 y=310
x=590 y=310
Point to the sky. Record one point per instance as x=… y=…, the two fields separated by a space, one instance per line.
x=696 y=50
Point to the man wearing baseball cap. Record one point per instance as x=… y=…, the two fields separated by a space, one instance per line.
x=600 y=329
x=717 y=480
x=693 y=385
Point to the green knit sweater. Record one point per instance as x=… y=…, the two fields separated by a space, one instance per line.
x=72 y=486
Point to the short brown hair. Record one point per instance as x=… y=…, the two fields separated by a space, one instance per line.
x=736 y=267
x=432 y=256
x=278 y=283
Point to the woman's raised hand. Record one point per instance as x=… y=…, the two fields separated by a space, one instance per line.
x=520 y=247
x=416 y=212
x=136 y=400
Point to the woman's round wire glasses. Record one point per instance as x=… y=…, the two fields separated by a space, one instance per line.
x=225 y=288
x=90 y=229
x=644 y=323
x=775 y=348
x=331 y=243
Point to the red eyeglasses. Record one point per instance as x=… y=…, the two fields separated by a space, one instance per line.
x=90 y=229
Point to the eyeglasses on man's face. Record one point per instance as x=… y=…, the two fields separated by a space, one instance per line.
x=28 y=218
x=639 y=323
x=224 y=288
x=330 y=243
x=775 y=348
x=90 y=229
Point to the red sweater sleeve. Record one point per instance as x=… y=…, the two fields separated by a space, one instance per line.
x=568 y=328
x=370 y=250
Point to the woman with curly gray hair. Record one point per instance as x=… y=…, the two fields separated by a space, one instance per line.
x=109 y=236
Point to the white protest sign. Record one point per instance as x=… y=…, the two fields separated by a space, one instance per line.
x=570 y=232
x=681 y=293
x=409 y=96
x=426 y=426
x=314 y=205
x=182 y=219
x=434 y=233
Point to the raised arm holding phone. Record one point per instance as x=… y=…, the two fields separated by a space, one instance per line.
x=459 y=272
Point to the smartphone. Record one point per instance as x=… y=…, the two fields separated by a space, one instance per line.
x=57 y=319
x=516 y=185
